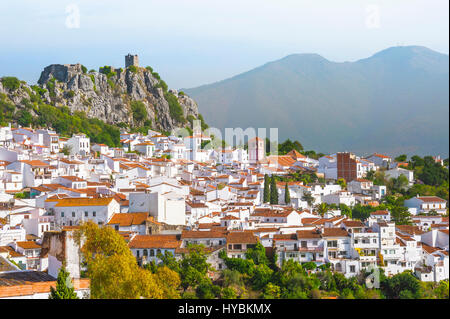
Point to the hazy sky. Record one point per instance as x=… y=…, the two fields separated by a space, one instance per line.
x=194 y=42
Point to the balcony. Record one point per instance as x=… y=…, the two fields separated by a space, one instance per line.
x=392 y=256
x=368 y=258
x=366 y=252
x=43 y=176
x=310 y=249
x=365 y=245
x=235 y=250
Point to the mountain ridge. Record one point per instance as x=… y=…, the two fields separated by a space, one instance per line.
x=132 y=97
x=339 y=96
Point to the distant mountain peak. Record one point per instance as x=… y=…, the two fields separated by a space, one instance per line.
x=304 y=56
x=395 y=101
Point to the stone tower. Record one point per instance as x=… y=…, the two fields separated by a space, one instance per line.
x=131 y=60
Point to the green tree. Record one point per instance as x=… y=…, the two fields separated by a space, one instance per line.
x=228 y=293
x=169 y=261
x=287 y=194
x=362 y=212
x=261 y=276
x=322 y=208
x=10 y=82
x=309 y=265
x=139 y=111
x=206 y=290
x=307 y=197
x=24 y=118
x=257 y=254
x=112 y=268
x=401 y=216
x=416 y=161
x=401 y=158
x=266 y=189
x=271 y=291
x=345 y=210
x=379 y=178
x=342 y=183
x=298 y=146
x=403 y=285
x=22 y=195
x=66 y=150
x=175 y=109
x=232 y=278
x=193 y=267
x=406 y=294
x=398 y=184
x=132 y=68
x=347 y=294
x=273 y=191
x=370 y=175
x=64 y=288
x=442 y=290
x=432 y=173
x=288 y=146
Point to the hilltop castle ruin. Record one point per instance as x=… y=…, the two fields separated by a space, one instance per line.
x=131 y=60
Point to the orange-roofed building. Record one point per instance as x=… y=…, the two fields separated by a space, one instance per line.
x=426 y=204
x=146 y=248
x=239 y=241
x=35 y=285
x=35 y=172
x=72 y=211
x=380 y=160
x=130 y=222
x=31 y=250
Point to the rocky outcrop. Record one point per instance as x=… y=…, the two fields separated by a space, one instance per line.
x=108 y=95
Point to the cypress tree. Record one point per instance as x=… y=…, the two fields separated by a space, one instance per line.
x=273 y=192
x=287 y=195
x=266 y=197
x=64 y=288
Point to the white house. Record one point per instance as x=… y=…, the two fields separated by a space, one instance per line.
x=166 y=208
x=79 y=144
x=398 y=171
x=328 y=166
x=425 y=204
x=145 y=148
x=71 y=211
x=380 y=160
x=130 y=222
x=146 y=248
x=341 y=197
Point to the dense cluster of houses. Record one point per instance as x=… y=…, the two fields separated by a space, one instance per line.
x=162 y=193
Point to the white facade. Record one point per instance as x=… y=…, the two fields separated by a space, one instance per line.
x=425 y=204
x=79 y=145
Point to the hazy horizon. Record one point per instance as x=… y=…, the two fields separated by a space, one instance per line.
x=200 y=42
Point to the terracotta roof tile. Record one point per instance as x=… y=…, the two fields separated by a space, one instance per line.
x=155 y=241
x=84 y=201
x=128 y=219
x=238 y=237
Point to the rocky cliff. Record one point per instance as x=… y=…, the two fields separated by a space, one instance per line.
x=110 y=95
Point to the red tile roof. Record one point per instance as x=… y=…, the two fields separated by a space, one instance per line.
x=128 y=219
x=155 y=241
x=244 y=237
x=334 y=232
